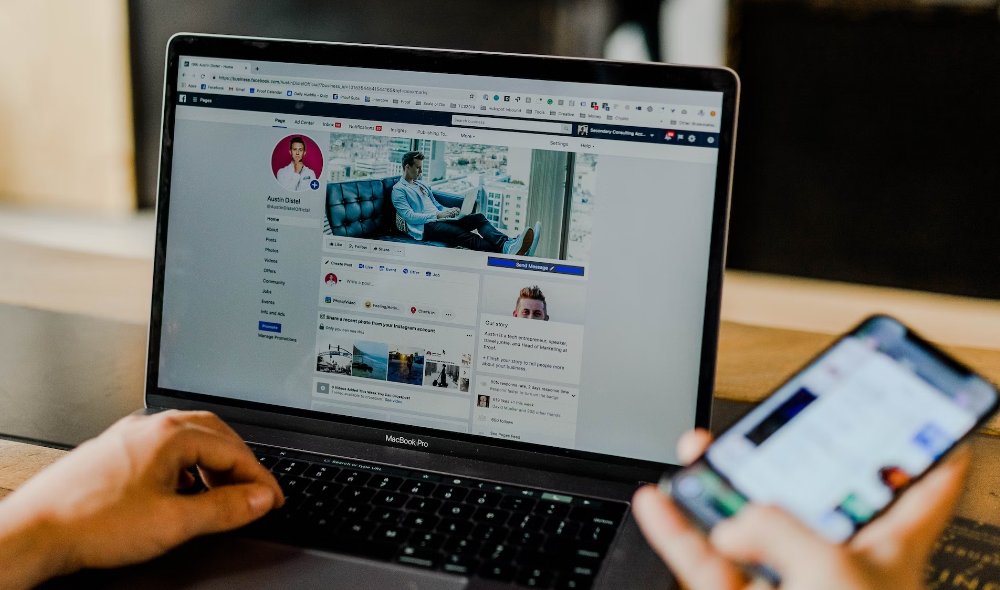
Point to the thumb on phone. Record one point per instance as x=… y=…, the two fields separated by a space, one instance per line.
x=770 y=536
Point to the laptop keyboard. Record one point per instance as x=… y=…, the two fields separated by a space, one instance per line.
x=527 y=537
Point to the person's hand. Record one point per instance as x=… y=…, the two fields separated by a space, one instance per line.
x=114 y=500
x=891 y=552
x=448 y=213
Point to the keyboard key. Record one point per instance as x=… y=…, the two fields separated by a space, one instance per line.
x=267 y=461
x=535 y=577
x=598 y=535
x=518 y=504
x=292 y=502
x=291 y=467
x=419 y=520
x=357 y=478
x=453 y=493
x=417 y=488
x=425 y=540
x=293 y=485
x=589 y=515
x=527 y=522
x=425 y=505
x=352 y=510
x=579 y=578
x=526 y=539
x=323 y=472
x=480 y=498
x=319 y=528
x=460 y=564
x=573 y=582
x=497 y=571
x=387 y=483
x=498 y=553
x=495 y=487
x=385 y=516
x=390 y=534
x=552 y=509
x=577 y=556
x=324 y=488
x=490 y=533
x=419 y=557
x=456 y=510
x=561 y=529
x=458 y=528
x=462 y=547
x=356 y=494
x=390 y=499
x=319 y=504
x=491 y=516
x=355 y=529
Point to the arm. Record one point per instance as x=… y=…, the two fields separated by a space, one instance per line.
x=402 y=205
x=114 y=500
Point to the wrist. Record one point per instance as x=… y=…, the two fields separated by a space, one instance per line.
x=31 y=546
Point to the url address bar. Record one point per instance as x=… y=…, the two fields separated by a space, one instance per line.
x=347 y=86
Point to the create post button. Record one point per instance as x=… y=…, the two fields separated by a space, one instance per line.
x=563 y=269
x=269 y=327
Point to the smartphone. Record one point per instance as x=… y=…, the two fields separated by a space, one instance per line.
x=843 y=438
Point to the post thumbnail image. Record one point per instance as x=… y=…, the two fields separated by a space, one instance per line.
x=494 y=198
x=406 y=365
x=395 y=363
x=446 y=376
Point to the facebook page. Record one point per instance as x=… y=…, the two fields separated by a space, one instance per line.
x=512 y=264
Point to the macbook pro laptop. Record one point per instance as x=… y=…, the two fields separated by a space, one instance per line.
x=438 y=415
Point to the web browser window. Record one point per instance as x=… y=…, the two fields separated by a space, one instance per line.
x=306 y=269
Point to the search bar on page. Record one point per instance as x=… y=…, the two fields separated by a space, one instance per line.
x=512 y=124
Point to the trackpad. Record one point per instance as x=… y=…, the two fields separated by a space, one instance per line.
x=236 y=564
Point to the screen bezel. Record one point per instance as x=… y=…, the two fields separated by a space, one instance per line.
x=449 y=62
x=925 y=346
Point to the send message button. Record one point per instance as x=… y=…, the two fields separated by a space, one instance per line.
x=269 y=327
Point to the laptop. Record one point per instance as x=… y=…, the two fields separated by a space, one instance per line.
x=468 y=205
x=438 y=416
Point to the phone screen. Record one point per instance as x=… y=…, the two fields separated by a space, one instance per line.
x=837 y=442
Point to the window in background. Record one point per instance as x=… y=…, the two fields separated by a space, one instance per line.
x=65 y=107
x=867 y=143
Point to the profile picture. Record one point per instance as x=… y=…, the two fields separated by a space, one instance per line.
x=483 y=402
x=331 y=279
x=297 y=163
x=583 y=130
x=531 y=304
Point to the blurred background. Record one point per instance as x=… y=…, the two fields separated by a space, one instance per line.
x=866 y=136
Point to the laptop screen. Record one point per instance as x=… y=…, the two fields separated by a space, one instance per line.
x=511 y=259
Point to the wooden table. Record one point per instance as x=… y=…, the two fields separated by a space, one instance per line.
x=771 y=326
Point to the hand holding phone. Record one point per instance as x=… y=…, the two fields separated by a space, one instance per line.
x=890 y=553
x=838 y=443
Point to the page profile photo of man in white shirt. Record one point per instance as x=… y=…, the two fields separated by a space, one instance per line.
x=296 y=176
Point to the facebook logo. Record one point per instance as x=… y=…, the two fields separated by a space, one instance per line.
x=202 y=86
x=251 y=91
x=289 y=93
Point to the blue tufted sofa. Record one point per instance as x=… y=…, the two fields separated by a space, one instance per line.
x=363 y=209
